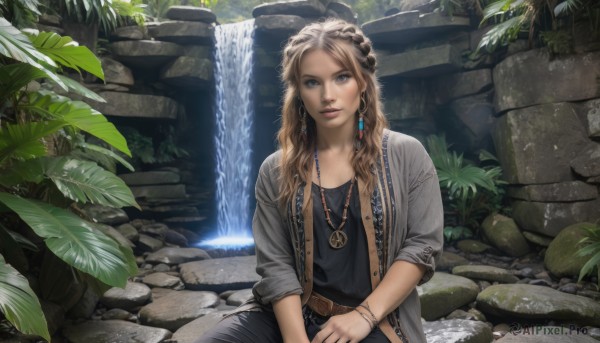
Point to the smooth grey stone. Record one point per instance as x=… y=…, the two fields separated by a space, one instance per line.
x=183 y=32
x=116 y=72
x=145 y=53
x=121 y=104
x=132 y=296
x=148 y=244
x=173 y=256
x=220 y=274
x=457 y=331
x=114 y=331
x=487 y=273
x=129 y=232
x=300 y=8
x=445 y=293
x=163 y=280
x=191 y=13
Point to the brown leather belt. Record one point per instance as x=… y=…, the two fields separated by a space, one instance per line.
x=325 y=307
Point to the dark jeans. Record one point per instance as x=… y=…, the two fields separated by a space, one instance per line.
x=261 y=327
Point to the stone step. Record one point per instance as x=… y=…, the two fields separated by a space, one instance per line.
x=188 y=72
x=145 y=53
x=425 y=62
x=183 y=32
x=121 y=104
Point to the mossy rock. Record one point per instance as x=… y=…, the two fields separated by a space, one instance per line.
x=504 y=234
x=561 y=256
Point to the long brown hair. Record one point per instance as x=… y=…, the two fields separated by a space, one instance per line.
x=347 y=45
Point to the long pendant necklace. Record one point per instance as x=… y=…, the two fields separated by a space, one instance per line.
x=338 y=238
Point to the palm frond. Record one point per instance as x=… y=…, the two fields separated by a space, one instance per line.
x=502 y=33
x=567 y=6
x=24 y=141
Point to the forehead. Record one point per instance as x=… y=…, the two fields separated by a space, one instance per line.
x=319 y=62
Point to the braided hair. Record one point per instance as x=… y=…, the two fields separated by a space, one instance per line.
x=347 y=45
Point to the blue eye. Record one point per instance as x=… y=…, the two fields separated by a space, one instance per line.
x=343 y=77
x=310 y=83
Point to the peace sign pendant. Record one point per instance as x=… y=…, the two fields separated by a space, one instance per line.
x=338 y=239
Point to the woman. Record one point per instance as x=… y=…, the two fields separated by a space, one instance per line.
x=349 y=215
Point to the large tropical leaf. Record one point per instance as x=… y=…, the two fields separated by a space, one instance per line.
x=24 y=141
x=66 y=52
x=93 y=152
x=20 y=172
x=501 y=33
x=73 y=240
x=14 y=44
x=77 y=114
x=85 y=181
x=80 y=89
x=19 y=304
x=13 y=77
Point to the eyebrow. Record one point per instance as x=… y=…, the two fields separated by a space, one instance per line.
x=316 y=77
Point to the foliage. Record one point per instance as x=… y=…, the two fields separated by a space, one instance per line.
x=144 y=151
x=45 y=169
x=470 y=192
x=21 y=13
x=590 y=245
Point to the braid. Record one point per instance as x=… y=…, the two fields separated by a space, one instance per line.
x=354 y=35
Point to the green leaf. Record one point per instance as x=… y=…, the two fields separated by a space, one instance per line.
x=73 y=240
x=78 y=88
x=107 y=152
x=13 y=77
x=14 y=44
x=501 y=33
x=66 y=52
x=24 y=141
x=79 y=115
x=85 y=181
x=19 y=304
x=22 y=171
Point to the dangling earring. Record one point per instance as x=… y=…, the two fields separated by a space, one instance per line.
x=362 y=109
x=302 y=112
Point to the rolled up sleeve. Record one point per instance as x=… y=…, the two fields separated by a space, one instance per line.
x=273 y=245
x=425 y=218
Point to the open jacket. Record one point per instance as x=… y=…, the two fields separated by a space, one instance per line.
x=403 y=220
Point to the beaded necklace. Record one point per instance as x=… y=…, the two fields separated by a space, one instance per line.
x=338 y=238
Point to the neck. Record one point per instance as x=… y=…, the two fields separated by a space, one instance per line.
x=335 y=140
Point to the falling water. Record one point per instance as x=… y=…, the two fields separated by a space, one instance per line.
x=234 y=120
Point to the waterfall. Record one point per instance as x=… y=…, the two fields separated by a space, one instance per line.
x=234 y=121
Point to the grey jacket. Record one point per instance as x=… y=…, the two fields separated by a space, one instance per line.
x=403 y=220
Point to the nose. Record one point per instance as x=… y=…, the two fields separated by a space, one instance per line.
x=327 y=94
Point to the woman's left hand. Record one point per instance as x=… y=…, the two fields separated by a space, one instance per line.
x=350 y=327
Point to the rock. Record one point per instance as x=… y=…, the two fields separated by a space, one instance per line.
x=157 y=230
x=161 y=267
x=538 y=302
x=188 y=72
x=476 y=112
x=158 y=292
x=488 y=273
x=239 y=297
x=457 y=331
x=191 y=13
x=173 y=256
x=105 y=215
x=536 y=144
x=198 y=51
x=543 y=334
x=549 y=218
x=450 y=260
x=504 y=234
x=409 y=27
x=163 y=280
x=472 y=246
x=190 y=332
x=134 y=32
x=342 y=11
x=116 y=72
x=458 y=85
x=561 y=256
x=109 y=87
x=148 y=244
x=591 y=113
x=424 y=62
x=177 y=309
x=300 y=8
x=150 y=178
x=220 y=274
x=159 y=191
x=118 y=314
x=84 y=308
x=277 y=27
x=535 y=238
x=445 y=293
x=114 y=331
x=408 y=99
x=136 y=105
x=559 y=192
x=174 y=237
x=531 y=78
x=587 y=164
x=129 y=232
x=114 y=234
x=145 y=53
x=129 y=298
x=183 y=32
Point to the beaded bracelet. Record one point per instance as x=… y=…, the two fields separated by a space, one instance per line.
x=371 y=324
x=366 y=307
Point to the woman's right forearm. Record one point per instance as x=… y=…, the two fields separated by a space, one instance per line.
x=288 y=311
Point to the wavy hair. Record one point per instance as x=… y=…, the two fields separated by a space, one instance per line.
x=349 y=47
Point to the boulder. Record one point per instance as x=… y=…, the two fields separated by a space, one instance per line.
x=116 y=72
x=220 y=274
x=129 y=232
x=591 y=114
x=531 y=78
x=136 y=105
x=561 y=257
x=503 y=233
x=176 y=309
x=131 y=297
x=163 y=280
x=188 y=72
x=173 y=256
x=457 y=331
x=449 y=260
x=538 y=239
x=487 y=273
x=411 y=26
x=114 y=331
x=157 y=230
x=145 y=53
x=536 y=144
x=549 y=218
x=134 y=32
x=274 y=29
x=162 y=177
x=472 y=246
x=148 y=244
x=476 y=112
x=198 y=51
x=191 y=13
x=423 y=62
x=555 y=192
x=445 y=293
x=458 y=85
x=183 y=32
x=300 y=8
x=106 y=215
x=587 y=164
x=190 y=332
x=538 y=302
x=341 y=10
